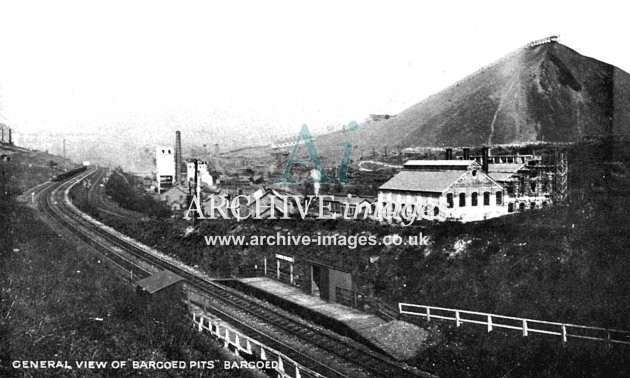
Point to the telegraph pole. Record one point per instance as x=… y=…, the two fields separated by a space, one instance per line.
x=195 y=191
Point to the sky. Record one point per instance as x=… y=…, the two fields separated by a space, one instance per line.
x=264 y=67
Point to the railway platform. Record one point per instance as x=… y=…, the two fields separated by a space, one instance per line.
x=362 y=327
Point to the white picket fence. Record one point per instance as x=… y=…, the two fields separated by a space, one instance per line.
x=242 y=345
x=526 y=326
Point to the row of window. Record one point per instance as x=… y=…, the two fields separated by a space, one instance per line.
x=521 y=206
x=532 y=185
x=474 y=201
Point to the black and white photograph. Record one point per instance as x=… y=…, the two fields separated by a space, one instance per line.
x=316 y=189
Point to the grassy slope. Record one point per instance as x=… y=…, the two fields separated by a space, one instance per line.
x=51 y=289
x=27 y=169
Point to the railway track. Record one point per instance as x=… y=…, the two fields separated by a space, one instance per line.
x=96 y=197
x=49 y=204
x=53 y=200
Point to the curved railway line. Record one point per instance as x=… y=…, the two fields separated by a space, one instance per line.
x=53 y=200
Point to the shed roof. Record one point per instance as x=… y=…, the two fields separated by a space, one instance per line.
x=501 y=176
x=345 y=199
x=159 y=281
x=177 y=188
x=509 y=167
x=439 y=164
x=502 y=172
x=422 y=181
x=327 y=265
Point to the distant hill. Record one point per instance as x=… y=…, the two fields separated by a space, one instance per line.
x=544 y=93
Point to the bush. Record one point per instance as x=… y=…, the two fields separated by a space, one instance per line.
x=123 y=189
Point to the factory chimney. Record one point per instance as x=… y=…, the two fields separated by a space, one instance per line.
x=466 y=153
x=484 y=159
x=10 y=142
x=449 y=154
x=178 y=158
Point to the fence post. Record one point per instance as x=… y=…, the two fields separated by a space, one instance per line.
x=564 y=333
x=457 y=321
x=278 y=269
x=291 y=273
x=489 y=323
x=188 y=297
x=280 y=365
x=428 y=314
x=237 y=345
x=265 y=268
x=524 y=327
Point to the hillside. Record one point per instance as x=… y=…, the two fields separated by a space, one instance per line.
x=546 y=93
x=26 y=168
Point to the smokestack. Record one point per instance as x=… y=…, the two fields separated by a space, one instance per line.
x=197 y=183
x=449 y=154
x=2 y=130
x=178 y=157
x=466 y=153
x=484 y=159
x=197 y=190
x=10 y=142
x=64 y=148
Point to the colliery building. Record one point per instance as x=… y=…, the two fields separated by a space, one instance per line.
x=202 y=172
x=445 y=189
x=165 y=167
x=472 y=188
x=526 y=185
x=5 y=134
x=169 y=169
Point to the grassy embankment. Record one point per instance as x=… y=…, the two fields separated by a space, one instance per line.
x=29 y=168
x=60 y=302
